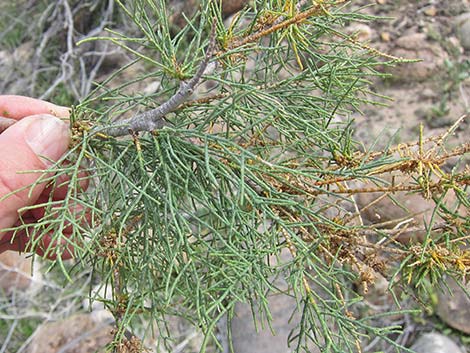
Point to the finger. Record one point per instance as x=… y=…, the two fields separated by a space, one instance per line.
x=28 y=145
x=17 y=107
x=61 y=185
x=17 y=240
x=52 y=249
x=77 y=212
x=5 y=123
x=46 y=247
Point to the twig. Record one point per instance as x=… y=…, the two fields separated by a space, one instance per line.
x=154 y=119
x=452 y=129
x=301 y=16
x=298 y=7
x=396 y=231
x=9 y=335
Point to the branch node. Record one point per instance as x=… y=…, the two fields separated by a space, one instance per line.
x=155 y=118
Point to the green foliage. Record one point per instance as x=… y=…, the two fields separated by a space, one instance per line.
x=13 y=27
x=193 y=218
x=17 y=331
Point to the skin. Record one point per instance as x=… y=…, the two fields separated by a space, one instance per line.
x=39 y=136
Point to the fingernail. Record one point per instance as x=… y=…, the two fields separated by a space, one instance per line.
x=60 y=111
x=47 y=136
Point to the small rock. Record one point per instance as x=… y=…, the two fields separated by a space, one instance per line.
x=455 y=7
x=4 y=57
x=454 y=307
x=96 y=308
x=24 y=52
x=152 y=87
x=76 y=334
x=360 y=31
x=428 y=93
x=455 y=45
x=415 y=46
x=435 y=343
x=462 y=28
x=232 y=6
x=413 y=41
x=430 y=11
x=385 y=36
x=15 y=272
x=411 y=206
x=248 y=338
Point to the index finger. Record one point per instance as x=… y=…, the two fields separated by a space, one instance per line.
x=17 y=107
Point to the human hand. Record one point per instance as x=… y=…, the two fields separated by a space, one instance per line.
x=38 y=138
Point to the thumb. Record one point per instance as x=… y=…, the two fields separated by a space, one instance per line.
x=30 y=144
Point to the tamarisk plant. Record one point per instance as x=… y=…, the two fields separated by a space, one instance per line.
x=246 y=151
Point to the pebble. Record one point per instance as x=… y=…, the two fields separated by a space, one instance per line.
x=260 y=339
x=428 y=93
x=232 y=6
x=152 y=87
x=454 y=308
x=385 y=36
x=416 y=46
x=15 y=272
x=462 y=28
x=360 y=31
x=435 y=343
x=77 y=334
x=264 y=338
x=430 y=11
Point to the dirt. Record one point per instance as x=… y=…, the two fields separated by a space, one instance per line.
x=15 y=272
x=434 y=91
x=76 y=334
